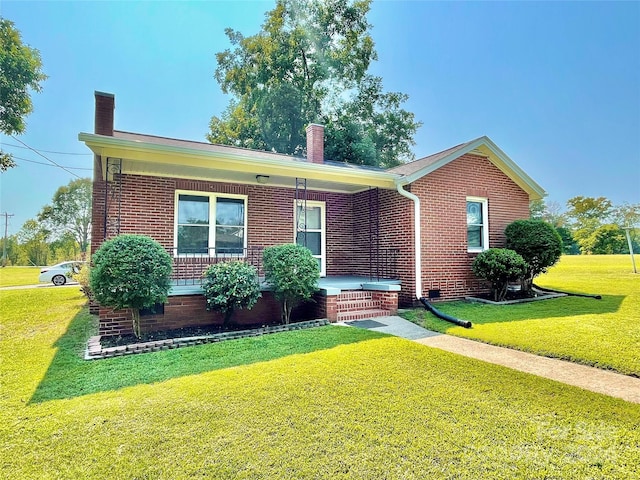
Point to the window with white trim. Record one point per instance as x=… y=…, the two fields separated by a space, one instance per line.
x=477 y=224
x=312 y=233
x=210 y=224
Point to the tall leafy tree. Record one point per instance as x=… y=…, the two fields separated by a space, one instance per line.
x=309 y=63
x=70 y=212
x=20 y=73
x=586 y=215
x=605 y=240
x=33 y=238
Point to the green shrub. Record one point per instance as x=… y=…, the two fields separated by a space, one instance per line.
x=131 y=271
x=538 y=243
x=229 y=286
x=499 y=266
x=293 y=273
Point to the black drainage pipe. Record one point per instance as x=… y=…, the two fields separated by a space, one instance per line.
x=444 y=316
x=597 y=297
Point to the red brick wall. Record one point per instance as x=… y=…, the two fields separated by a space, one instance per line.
x=187 y=311
x=446 y=265
x=388 y=300
x=147 y=208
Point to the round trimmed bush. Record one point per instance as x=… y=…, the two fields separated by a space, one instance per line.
x=293 y=273
x=131 y=271
x=229 y=286
x=538 y=242
x=499 y=266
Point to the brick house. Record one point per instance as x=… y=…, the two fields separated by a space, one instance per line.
x=206 y=203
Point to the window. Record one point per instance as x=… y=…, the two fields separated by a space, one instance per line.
x=477 y=224
x=210 y=224
x=313 y=236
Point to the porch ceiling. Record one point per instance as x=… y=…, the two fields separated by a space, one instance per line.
x=220 y=163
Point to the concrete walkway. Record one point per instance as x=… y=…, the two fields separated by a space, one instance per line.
x=588 y=378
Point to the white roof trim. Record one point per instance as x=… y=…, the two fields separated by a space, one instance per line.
x=262 y=159
x=508 y=167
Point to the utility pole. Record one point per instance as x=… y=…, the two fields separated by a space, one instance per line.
x=633 y=262
x=4 y=245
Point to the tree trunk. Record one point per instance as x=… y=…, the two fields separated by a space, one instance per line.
x=227 y=318
x=135 y=313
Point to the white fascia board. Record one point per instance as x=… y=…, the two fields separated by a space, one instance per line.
x=98 y=142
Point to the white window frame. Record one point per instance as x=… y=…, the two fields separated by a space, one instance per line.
x=485 y=224
x=323 y=231
x=213 y=196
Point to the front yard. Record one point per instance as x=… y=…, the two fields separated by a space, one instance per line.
x=334 y=402
x=602 y=333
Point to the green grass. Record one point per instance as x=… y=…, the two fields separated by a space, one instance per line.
x=602 y=333
x=328 y=403
x=16 y=276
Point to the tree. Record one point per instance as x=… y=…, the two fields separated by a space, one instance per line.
x=549 y=212
x=628 y=215
x=229 y=286
x=70 y=212
x=12 y=250
x=539 y=244
x=606 y=240
x=131 y=271
x=63 y=248
x=499 y=266
x=569 y=245
x=309 y=64
x=293 y=273
x=586 y=215
x=33 y=238
x=20 y=72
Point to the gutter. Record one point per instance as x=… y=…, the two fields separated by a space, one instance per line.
x=416 y=235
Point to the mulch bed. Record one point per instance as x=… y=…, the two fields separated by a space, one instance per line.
x=98 y=348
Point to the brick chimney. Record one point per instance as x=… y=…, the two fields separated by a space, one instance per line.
x=315 y=143
x=105 y=104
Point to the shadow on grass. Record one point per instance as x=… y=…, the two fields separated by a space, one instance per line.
x=482 y=313
x=69 y=375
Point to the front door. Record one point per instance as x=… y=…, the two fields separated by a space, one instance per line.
x=310 y=230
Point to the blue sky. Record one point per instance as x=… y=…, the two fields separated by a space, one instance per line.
x=555 y=85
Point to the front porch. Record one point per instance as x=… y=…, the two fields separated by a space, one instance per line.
x=339 y=298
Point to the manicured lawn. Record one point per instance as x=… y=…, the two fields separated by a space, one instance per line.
x=602 y=333
x=14 y=276
x=333 y=402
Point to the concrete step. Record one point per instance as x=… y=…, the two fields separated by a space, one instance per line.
x=349 y=295
x=362 y=314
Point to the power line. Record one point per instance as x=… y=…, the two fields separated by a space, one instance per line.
x=46 y=158
x=47 y=164
x=46 y=151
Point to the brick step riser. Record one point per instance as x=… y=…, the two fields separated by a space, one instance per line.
x=350 y=296
x=356 y=305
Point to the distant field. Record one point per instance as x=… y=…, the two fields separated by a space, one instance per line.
x=15 y=276
x=602 y=333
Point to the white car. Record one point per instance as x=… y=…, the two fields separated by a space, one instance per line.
x=59 y=274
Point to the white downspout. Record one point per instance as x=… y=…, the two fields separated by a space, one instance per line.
x=416 y=236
